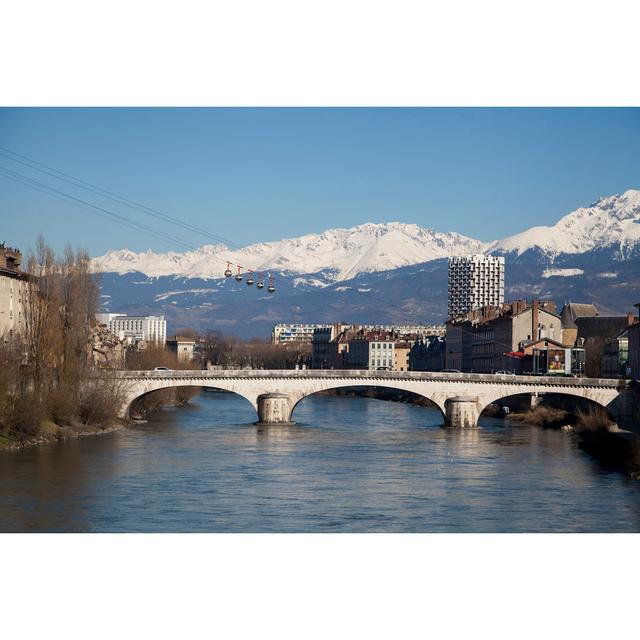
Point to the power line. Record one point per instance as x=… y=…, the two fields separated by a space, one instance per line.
x=44 y=188
x=111 y=195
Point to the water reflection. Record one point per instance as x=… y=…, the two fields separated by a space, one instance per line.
x=348 y=464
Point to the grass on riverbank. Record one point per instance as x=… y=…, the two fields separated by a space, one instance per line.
x=545 y=417
x=50 y=432
x=598 y=435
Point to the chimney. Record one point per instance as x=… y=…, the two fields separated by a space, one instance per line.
x=534 y=320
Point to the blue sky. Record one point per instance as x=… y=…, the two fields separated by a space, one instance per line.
x=253 y=175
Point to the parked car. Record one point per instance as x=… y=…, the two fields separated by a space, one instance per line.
x=505 y=373
x=451 y=371
x=162 y=369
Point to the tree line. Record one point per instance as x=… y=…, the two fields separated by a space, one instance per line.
x=45 y=369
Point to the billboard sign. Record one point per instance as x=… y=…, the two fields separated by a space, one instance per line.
x=556 y=363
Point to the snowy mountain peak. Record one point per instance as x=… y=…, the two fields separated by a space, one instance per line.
x=612 y=221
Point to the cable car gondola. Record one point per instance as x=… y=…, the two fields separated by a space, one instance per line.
x=250 y=278
x=238 y=275
x=227 y=273
x=260 y=284
x=271 y=288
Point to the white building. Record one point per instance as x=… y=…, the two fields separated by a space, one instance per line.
x=106 y=318
x=407 y=329
x=285 y=333
x=475 y=281
x=147 y=328
x=381 y=354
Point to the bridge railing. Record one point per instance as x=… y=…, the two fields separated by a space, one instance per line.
x=365 y=374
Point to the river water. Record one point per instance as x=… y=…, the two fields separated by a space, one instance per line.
x=349 y=464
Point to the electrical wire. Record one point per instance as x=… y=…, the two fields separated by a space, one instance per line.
x=111 y=195
x=44 y=188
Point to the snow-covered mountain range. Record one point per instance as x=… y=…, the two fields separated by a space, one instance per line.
x=337 y=254
x=342 y=254
x=390 y=272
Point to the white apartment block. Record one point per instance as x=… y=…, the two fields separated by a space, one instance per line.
x=407 y=329
x=475 y=281
x=147 y=328
x=285 y=333
x=381 y=355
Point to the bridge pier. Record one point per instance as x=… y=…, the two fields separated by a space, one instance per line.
x=536 y=399
x=461 y=412
x=274 y=408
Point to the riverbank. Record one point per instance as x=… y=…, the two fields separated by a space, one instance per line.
x=50 y=433
x=597 y=434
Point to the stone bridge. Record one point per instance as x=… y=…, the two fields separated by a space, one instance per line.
x=461 y=397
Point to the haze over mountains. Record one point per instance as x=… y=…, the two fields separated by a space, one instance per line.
x=390 y=272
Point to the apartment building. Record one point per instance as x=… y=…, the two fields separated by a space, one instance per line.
x=14 y=285
x=295 y=332
x=473 y=282
x=152 y=329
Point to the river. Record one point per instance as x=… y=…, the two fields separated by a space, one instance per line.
x=349 y=464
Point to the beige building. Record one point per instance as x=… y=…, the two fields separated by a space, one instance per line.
x=182 y=347
x=13 y=293
x=401 y=355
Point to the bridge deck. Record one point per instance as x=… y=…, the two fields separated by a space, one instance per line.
x=365 y=374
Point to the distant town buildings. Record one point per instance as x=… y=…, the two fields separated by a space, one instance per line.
x=473 y=282
x=13 y=292
x=382 y=347
x=483 y=340
x=150 y=329
x=300 y=332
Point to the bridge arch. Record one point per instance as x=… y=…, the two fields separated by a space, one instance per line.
x=143 y=388
x=571 y=403
x=604 y=399
x=434 y=402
